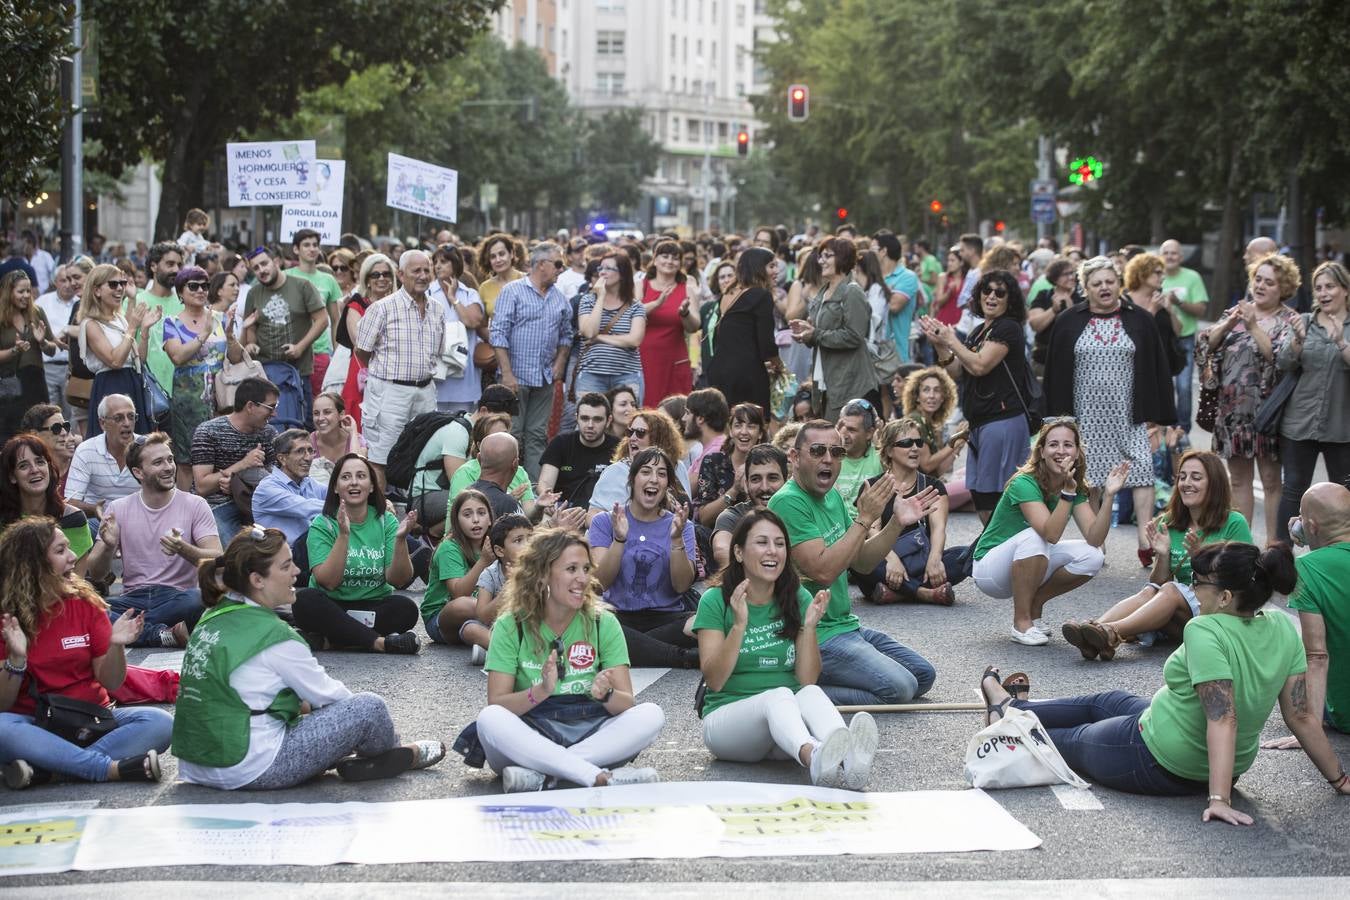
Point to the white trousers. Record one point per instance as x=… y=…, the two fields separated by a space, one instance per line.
x=508 y=741
x=993 y=574
x=386 y=408
x=771 y=725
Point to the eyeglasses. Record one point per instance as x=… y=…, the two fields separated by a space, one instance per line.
x=120 y=417
x=637 y=432
x=906 y=443
x=373 y=275
x=818 y=451
x=609 y=268
x=995 y=290
x=59 y=428
x=825 y=254
x=117 y=284
x=195 y=285
x=270 y=407
x=1207 y=582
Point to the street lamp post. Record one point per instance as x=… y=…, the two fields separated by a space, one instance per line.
x=72 y=146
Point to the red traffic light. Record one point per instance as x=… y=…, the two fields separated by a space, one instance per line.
x=999 y=226
x=743 y=143
x=799 y=102
x=798 y=95
x=841 y=213
x=935 y=206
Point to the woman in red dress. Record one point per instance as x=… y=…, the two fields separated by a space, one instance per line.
x=948 y=291
x=671 y=316
x=377 y=280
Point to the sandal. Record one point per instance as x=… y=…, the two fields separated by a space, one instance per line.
x=1018 y=685
x=991 y=708
x=1073 y=633
x=942 y=595
x=1101 y=637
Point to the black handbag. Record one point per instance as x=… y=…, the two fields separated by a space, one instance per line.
x=1271 y=410
x=77 y=721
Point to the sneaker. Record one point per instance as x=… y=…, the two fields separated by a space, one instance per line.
x=18 y=775
x=862 y=749
x=631 y=775
x=405 y=643
x=428 y=754
x=384 y=765
x=1031 y=637
x=139 y=768
x=518 y=780
x=1040 y=626
x=827 y=760
x=167 y=638
x=477 y=656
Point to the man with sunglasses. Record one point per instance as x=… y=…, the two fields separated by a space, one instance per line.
x=307 y=251
x=227 y=445
x=858 y=665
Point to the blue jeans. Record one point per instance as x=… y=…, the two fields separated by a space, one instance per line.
x=228 y=521
x=593 y=381
x=868 y=667
x=138 y=731
x=164 y=608
x=1184 y=379
x=1098 y=736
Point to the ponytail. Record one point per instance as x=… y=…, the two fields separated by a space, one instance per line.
x=1252 y=575
x=252 y=552
x=208 y=579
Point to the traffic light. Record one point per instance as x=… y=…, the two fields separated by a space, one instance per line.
x=799 y=102
x=1085 y=169
x=999 y=226
x=935 y=206
x=743 y=143
x=841 y=213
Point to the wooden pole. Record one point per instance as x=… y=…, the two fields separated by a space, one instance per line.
x=912 y=707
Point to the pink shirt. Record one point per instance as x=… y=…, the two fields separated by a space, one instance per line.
x=144 y=563
x=712 y=446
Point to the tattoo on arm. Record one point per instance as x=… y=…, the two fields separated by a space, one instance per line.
x=1217 y=697
x=1298 y=695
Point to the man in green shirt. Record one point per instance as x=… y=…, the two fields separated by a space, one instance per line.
x=1185 y=291
x=857 y=425
x=1323 y=604
x=306 y=245
x=291 y=318
x=858 y=665
x=162 y=263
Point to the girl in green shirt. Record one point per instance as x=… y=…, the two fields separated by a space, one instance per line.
x=760 y=659
x=448 y=607
x=1200 y=512
x=358 y=552
x=1202 y=728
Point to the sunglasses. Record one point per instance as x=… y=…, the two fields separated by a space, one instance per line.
x=906 y=443
x=195 y=285
x=341 y=268
x=117 y=284
x=637 y=432
x=995 y=290
x=373 y=275
x=256 y=251
x=1059 y=420
x=59 y=428
x=270 y=407
x=818 y=451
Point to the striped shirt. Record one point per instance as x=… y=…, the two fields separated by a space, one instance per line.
x=606 y=359
x=531 y=327
x=403 y=341
x=95 y=477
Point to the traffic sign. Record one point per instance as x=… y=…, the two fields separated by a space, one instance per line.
x=1043 y=195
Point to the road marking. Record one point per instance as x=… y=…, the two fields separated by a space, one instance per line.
x=1074 y=798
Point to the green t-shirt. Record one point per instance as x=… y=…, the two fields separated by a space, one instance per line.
x=808 y=519
x=472 y=470
x=929 y=272
x=331 y=293
x=370 y=550
x=1258 y=655
x=1040 y=284
x=1007 y=520
x=589 y=646
x=75 y=527
x=156 y=358
x=446 y=563
x=766 y=661
x=284 y=318
x=1322 y=578
x=1234 y=528
x=853 y=472
x=1190 y=288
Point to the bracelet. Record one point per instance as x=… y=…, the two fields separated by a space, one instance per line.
x=946 y=362
x=867 y=525
x=1334 y=782
x=529 y=695
x=1066 y=496
x=16 y=670
x=1220 y=798
x=617 y=541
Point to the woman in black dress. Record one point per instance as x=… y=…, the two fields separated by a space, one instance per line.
x=741 y=333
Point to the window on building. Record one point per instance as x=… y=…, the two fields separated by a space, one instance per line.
x=698 y=49
x=714 y=11
x=605 y=5
x=610 y=83
x=563 y=46
x=685 y=44
x=674 y=128
x=672 y=84
x=698 y=87
x=694 y=131
x=674 y=48
x=740 y=89
x=609 y=43
x=721 y=132
x=761 y=7
x=700 y=10
x=713 y=55
x=740 y=14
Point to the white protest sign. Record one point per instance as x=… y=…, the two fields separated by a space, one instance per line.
x=324 y=212
x=420 y=187
x=270 y=173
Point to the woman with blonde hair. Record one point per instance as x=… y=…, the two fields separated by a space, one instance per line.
x=929 y=397
x=561 y=705
x=56 y=638
x=114 y=345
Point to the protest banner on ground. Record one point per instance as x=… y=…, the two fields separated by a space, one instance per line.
x=420 y=187
x=324 y=212
x=270 y=173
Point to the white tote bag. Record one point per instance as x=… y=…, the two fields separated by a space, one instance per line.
x=1016 y=752
x=454 y=352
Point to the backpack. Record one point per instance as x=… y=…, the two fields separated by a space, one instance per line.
x=401 y=468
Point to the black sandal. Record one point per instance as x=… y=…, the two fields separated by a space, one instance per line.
x=139 y=768
x=1018 y=689
x=383 y=765
x=989 y=707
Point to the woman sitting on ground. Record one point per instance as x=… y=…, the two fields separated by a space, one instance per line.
x=358 y=552
x=28 y=488
x=1200 y=512
x=644 y=560
x=48 y=422
x=1200 y=731
x=1022 y=553
x=448 y=607
x=241 y=658
x=648 y=428
x=721 y=474
x=56 y=638
x=558 y=658
x=920 y=567
x=760 y=659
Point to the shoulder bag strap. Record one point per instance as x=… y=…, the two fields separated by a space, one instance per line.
x=581 y=357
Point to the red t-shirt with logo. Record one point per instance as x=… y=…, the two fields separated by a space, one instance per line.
x=61 y=657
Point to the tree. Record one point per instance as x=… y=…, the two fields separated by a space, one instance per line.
x=34 y=36
x=617 y=154
x=179 y=79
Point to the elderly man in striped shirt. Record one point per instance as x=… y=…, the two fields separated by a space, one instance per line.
x=399 y=341
x=532 y=333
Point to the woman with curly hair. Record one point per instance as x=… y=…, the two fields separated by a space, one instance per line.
x=57 y=639
x=648 y=428
x=1241 y=348
x=929 y=397
x=1022 y=553
x=28 y=487
x=561 y=705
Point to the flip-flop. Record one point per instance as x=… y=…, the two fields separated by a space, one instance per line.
x=991 y=708
x=1073 y=633
x=1018 y=685
x=384 y=765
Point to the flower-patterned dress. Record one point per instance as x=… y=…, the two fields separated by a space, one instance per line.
x=1245 y=379
x=193 y=400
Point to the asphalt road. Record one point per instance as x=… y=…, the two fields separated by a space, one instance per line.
x=1299 y=830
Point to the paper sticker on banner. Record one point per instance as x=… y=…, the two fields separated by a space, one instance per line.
x=324 y=212
x=41 y=837
x=419 y=187
x=270 y=173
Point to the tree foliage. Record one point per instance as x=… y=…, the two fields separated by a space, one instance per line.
x=616 y=155
x=34 y=36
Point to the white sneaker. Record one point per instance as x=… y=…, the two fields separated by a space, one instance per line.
x=1040 y=626
x=827 y=760
x=631 y=775
x=1031 y=637
x=863 y=740
x=518 y=779
x=428 y=754
x=477 y=656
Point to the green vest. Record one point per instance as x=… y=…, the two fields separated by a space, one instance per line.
x=211 y=721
